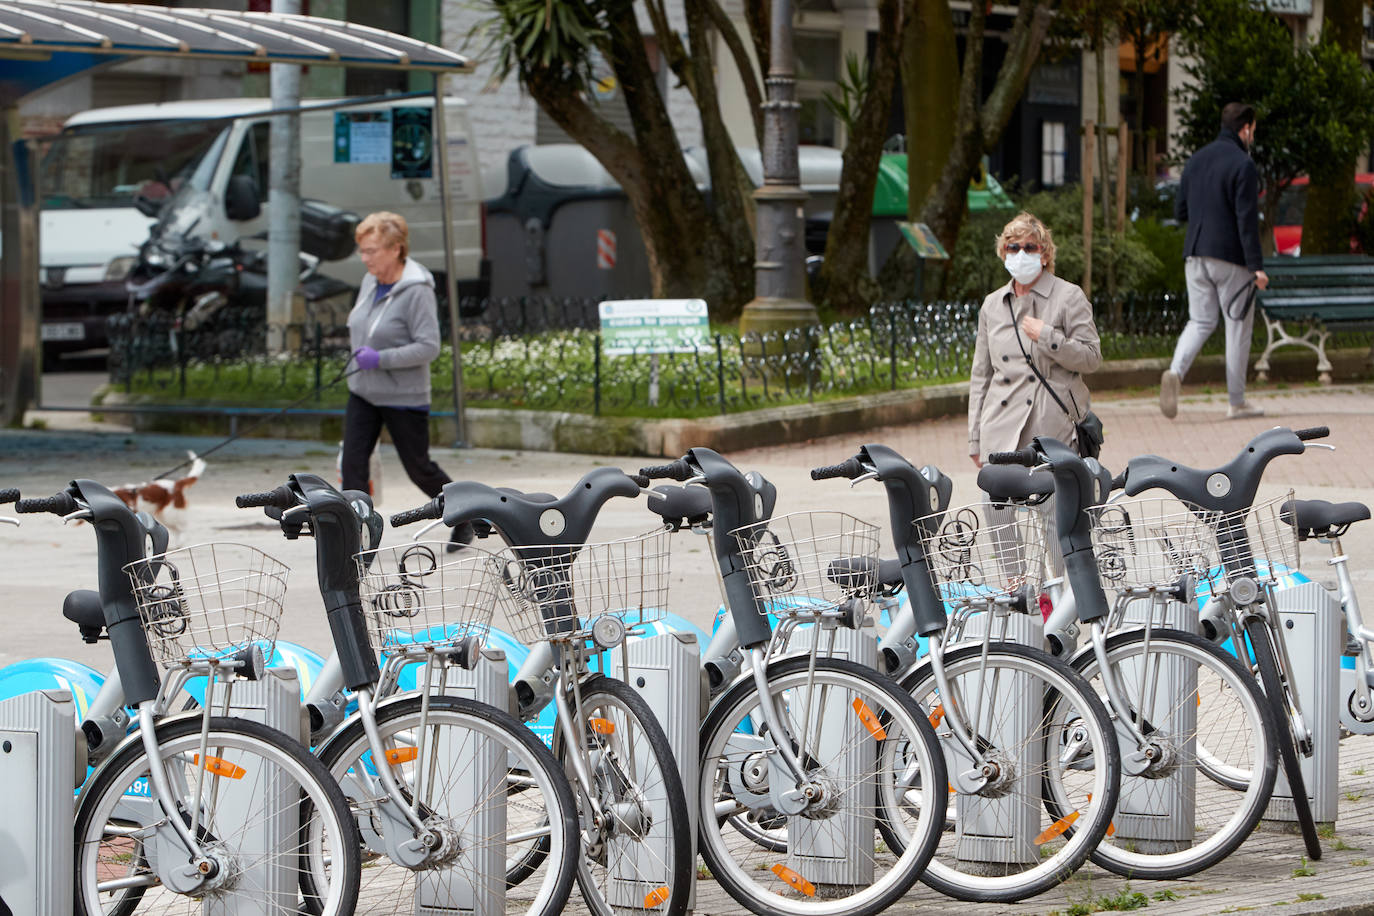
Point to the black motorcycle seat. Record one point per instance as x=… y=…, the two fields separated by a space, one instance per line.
x=1008 y=482
x=1319 y=518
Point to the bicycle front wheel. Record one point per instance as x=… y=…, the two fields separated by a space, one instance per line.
x=637 y=854
x=1033 y=723
x=479 y=777
x=824 y=858
x=1213 y=744
x=1274 y=688
x=268 y=813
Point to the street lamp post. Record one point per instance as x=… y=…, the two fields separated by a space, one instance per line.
x=779 y=279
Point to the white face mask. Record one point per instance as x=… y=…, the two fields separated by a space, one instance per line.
x=1023 y=266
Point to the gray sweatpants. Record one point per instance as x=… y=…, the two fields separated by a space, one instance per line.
x=1215 y=286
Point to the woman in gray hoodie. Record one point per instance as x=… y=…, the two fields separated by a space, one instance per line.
x=393 y=332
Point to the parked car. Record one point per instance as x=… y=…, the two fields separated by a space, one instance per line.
x=1292 y=203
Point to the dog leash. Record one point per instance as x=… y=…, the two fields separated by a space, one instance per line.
x=343 y=374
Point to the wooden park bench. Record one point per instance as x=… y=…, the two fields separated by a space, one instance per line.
x=1317 y=294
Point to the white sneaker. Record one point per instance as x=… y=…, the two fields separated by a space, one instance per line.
x=1243 y=411
x=1168 y=393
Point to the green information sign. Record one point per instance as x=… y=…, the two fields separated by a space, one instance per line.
x=922 y=238
x=631 y=326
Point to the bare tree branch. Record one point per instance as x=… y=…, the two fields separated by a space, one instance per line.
x=753 y=85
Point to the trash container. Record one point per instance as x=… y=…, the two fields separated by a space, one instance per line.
x=563 y=228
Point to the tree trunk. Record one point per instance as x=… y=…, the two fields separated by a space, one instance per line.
x=844 y=282
x=733 y=207
x=681 y=242
x=977 y=126
x=930 y=78
x=1328 y=218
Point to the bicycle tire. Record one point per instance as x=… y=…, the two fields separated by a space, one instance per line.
x=668 y=883
x=1068 y=703
x=267 y=758
x=456 y=724
x=1226 y=799
x=823 y=840
x=1258 y=632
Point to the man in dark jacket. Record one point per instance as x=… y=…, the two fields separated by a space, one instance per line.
x=1218 y=197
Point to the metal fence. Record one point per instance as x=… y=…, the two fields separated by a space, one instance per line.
x=547 y=354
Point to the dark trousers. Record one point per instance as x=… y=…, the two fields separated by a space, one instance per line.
x=363 y=422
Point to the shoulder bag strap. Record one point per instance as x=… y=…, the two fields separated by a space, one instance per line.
x=1030 y=362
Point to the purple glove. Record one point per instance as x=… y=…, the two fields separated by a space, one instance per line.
x=367 y=358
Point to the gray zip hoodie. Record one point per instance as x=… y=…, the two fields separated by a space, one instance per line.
x=403 y=326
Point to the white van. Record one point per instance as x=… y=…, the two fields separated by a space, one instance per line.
x=110 y=167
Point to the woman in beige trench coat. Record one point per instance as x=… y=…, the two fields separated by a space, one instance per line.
x=1007 y=404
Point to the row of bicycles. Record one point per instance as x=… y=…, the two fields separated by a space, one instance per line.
x=1073 y=667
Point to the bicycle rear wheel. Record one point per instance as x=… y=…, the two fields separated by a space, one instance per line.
x=638 y=856
x=1208 y=725
x=825 y=859
x=481 y=777
x=1034 y=722
x=1258 y=632
x=267 y=809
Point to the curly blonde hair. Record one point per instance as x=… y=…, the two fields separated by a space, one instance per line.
x=391 y=229
x=1024 y=225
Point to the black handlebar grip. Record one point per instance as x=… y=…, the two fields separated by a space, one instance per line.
x=9 y=495
x=281 y=497
x=640 y=480
x=61 y=504
x=679 y=470
x=849 y=469
x=432 y=509
x=1119 y=481
x=1026 y=457
x=1312 y=432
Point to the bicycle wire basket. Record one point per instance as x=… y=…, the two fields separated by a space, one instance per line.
x=1257 y=542
x=981 y=552
x=208 y=601
x=418 y=595
x=558 y=590
x=807 y=563
x=1152 y=542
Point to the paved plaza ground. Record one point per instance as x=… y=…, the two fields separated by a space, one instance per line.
x=44 y=560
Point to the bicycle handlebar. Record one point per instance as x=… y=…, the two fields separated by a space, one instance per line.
x=281 y=498
x=9 y=495
x=849 y=469
x=1312 y=432
x=1119 y=481
x=1026 y=457
x=60 y=504
x=430 y=510
x=678 y=470
x=640 y=480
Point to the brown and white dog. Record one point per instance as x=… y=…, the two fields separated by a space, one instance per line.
x=165 y=497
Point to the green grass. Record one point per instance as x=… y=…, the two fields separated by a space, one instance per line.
x=1359 y=863
x=1307 y=897
x=1340 y=845
x=1304 y=870
x=1165 y=894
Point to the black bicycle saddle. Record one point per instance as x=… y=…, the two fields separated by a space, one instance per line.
x=1317 y=518
x=1011 y=483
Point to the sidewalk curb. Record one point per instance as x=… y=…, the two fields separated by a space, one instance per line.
x=564 y=431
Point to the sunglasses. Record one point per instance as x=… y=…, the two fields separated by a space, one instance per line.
x=1028 y=248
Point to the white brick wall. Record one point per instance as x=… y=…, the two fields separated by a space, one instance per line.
x=503 y=116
